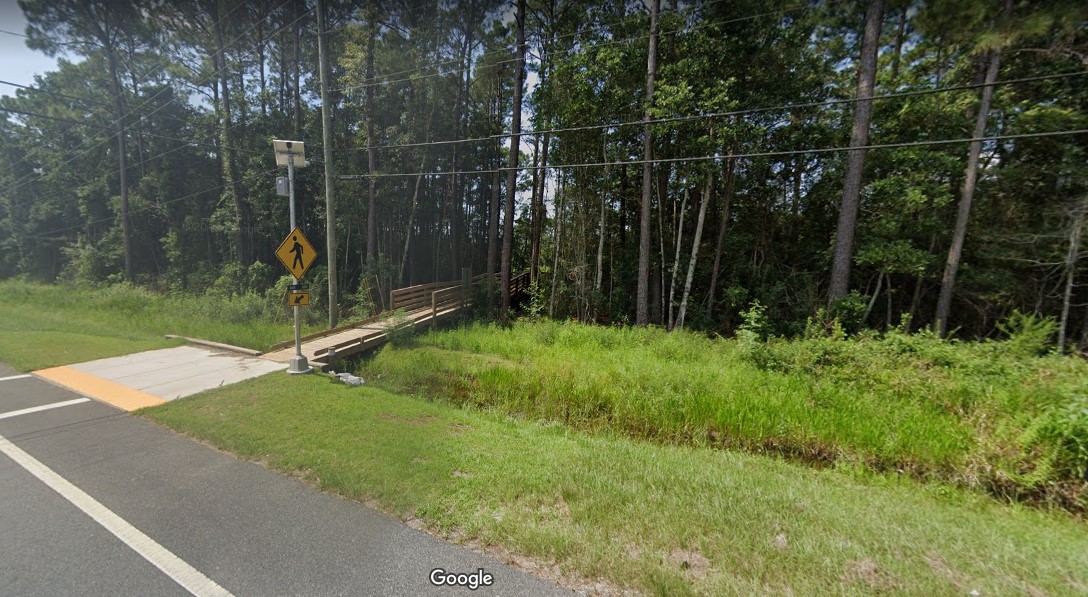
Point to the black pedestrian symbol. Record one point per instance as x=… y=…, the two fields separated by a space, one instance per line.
x=297 y=250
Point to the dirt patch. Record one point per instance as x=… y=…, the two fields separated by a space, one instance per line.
x=942 y=568
x=867 y=572
x=561 y=509
x=691 y=562
x=1034 y=591
x=461 y=474
x=459 y=428
x=780 y=541
x=415 y=421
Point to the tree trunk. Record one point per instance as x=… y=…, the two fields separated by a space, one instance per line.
x=371 y=141
x=872 y=299
x=534 y=219
x=122 y=159
x=601 y=227
x=330 y=173
x=730 y=178
x=493 y=229
x=539 y=214
x=676 y=258
x=855 y=161
x=411 y=218
x=900 y=37
x=230 y=161
x=512 y=173
x=642 y=313
x=963 y=214
x=657 y=311
x=707 y=190
x=1071 y=259
x=623 y=209
x=297 y=70
x=262 y=48
x=561 y=197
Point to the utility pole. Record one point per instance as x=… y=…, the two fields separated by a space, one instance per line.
x=330 y=175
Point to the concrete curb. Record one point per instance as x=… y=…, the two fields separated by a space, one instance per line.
x=220 y=345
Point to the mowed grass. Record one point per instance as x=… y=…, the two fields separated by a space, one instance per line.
x=657 y=519
x=48 y=325
x=973 y=414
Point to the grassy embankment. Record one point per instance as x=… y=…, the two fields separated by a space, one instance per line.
x=658 y=519
x=988 y=415
x=47 y=325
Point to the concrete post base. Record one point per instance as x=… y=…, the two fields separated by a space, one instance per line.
x=297 y=365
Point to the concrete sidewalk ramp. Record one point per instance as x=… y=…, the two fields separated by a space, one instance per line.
x=153 y=377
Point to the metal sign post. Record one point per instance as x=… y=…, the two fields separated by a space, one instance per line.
x=288 y=150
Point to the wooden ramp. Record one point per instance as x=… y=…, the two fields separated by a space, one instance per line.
x=423 y=305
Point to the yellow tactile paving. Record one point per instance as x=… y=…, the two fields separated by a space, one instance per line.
x=100 y=389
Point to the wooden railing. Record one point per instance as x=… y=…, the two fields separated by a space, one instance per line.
x=519 y=283
x=415 y=297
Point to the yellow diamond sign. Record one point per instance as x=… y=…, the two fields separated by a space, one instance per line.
x=296 y=253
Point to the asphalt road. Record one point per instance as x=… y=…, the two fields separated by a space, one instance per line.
x=232 y=526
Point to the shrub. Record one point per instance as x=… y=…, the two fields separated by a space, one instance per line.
x=1028 y=335
x=400 y=330
x=1065 y=428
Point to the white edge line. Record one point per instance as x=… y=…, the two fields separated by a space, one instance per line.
x=11 y=377
x=177 y=569
x=34 y=409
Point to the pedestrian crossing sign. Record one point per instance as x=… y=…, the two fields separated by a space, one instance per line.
x=296 y=253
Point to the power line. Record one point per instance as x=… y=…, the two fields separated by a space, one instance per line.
x=141 y=209
x=54 y=94
x=719 y=157
x=747 y=111
x=107 y=128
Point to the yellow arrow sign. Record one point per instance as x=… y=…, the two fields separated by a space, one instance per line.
x=297 y=298
x=296 y=253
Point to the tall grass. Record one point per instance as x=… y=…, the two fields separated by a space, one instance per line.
x=46 y=325
x=975 y=414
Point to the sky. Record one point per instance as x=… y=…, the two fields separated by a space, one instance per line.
x=18 y=63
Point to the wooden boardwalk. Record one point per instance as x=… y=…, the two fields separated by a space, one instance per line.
x=423 y=305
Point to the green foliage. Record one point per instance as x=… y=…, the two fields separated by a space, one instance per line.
x=201 y=197
x=236 y=279
x=400 y=329
x=754 y=327
x=538 y=303
x=360 y=302
x=89 y=263
x=849 y=311
x=1065 y=427
x=1028 y=334
x=943 y=410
